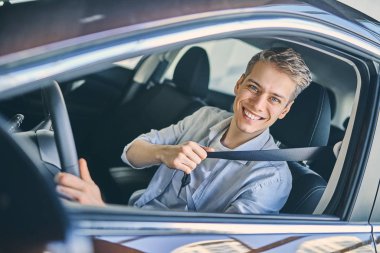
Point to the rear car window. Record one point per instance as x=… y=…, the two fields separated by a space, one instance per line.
x=226 y=67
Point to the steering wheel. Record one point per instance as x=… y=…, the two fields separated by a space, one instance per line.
x=62 y=129
x=30 y=212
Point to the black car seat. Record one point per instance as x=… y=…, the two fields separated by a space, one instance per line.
x=307 y=124
x=324 y=167
x=158 y=107
x=308 y=121
x=336 y=132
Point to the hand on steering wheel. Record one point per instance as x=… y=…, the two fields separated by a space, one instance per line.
x=81 y=189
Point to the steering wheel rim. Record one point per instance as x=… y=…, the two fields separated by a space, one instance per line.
x=63 y=134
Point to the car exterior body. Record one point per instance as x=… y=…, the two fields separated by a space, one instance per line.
x=67 y=41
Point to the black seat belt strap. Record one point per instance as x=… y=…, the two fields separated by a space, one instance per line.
x=287 y=154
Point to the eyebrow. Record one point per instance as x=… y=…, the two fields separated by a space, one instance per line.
x=258 y=84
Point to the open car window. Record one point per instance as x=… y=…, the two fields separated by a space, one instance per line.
x=96 y=143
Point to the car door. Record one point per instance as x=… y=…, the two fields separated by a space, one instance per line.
x=340 y=222
x=338 y=225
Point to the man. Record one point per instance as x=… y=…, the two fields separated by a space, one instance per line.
x=264 y=93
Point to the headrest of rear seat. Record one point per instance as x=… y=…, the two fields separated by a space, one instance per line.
x=192 y=73
x=308 y=121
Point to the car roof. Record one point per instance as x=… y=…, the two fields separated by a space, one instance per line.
x=94 y=33
x=46 y=22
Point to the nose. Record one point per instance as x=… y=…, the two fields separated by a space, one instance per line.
x=259 y=102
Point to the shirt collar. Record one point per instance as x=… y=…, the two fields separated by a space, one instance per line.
x=221 y=126
x=256 y=143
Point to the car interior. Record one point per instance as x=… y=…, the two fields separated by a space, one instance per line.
x=111 y=107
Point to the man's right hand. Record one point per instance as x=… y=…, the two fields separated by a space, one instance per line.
x=184 y=156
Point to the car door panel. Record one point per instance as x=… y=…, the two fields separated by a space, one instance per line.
x=324 y=242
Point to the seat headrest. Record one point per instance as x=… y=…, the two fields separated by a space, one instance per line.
x=192 y=73
x=308 y=121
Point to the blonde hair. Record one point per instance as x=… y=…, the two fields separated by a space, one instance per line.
x=288 y=61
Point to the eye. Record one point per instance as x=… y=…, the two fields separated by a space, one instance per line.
x=253 y=88
x=275 y=100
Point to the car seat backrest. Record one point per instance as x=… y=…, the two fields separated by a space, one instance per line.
x=332 y=100
x=308 y=121
x=307 y=190
x=155 y=108
x=167 y=103
x=307 y=124
x=324 y=167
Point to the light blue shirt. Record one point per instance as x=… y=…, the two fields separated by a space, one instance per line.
x=217 y=185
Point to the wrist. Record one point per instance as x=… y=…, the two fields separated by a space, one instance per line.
x=159 y=153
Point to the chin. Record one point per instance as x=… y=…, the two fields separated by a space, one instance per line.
x=250 y=130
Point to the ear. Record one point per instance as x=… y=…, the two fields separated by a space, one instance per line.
x=285 y=110
x=238 y=83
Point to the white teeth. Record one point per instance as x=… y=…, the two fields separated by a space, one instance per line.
x=251 y=116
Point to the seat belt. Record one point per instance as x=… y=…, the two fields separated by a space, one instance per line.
x=286 y=154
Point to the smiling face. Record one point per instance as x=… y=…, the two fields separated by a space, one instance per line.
x=262 y=97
